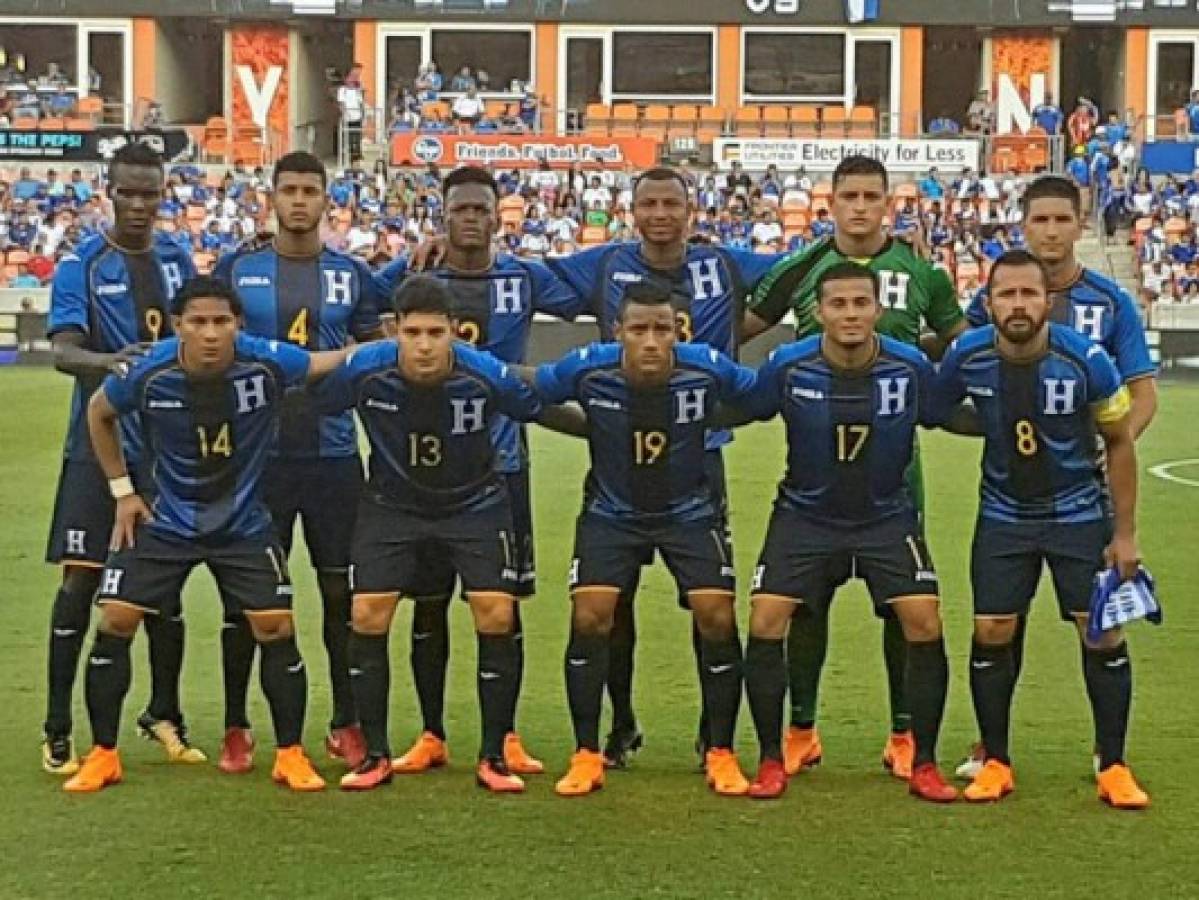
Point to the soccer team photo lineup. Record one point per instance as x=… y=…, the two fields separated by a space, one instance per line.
x=474 y=447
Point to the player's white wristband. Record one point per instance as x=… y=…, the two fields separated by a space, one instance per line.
x=120 y=488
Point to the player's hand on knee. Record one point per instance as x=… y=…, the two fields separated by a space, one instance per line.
x=132 y=513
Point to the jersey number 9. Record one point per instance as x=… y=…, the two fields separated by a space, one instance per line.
x=153 y=320
x=648 y=447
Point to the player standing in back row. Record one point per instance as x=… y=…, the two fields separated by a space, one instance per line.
x=296 y=290
x=110 y=299
x=913 y=294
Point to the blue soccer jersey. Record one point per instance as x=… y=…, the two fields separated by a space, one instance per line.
x=647 y=445
x=315 y=303
x=495 y=310
x=210 y=437
x=114 y=298
x=431 y=447
x=1039 y=423
x=1100 y=309
x=849 y=434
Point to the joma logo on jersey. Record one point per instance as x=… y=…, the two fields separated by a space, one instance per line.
x=251 y=393
x=892 y=396
x=1059 y=396
x=469 y=414
x=689 y=405
x=893 y=289
x=253 y=281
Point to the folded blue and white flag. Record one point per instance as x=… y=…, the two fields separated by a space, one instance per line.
x=1115 y=603
x=862 y=10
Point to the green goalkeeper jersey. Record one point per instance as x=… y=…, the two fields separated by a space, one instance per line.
x=911 y=290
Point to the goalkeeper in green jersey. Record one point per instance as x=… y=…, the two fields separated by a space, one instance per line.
x=915 y=297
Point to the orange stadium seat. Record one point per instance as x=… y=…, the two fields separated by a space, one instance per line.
x=776 y=121
x=805 y=121
x=712 y=121
x=833 y=121
x=24 y=123
x=495 y=109
x=597 y=118
x=747 y=121
x=862 y=122
x=17 y=257
x=90 y=107
x=216 y=139
x=656 y=122
x=53 y=123
x=683 y=120
x=624 y=118
x=78 y=124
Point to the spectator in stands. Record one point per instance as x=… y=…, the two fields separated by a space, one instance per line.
x=468 y=109
x=23 y=278
x=1155 y=281
x=405 y=111
x=26 y=187
x=1048 y=116
x=597 y=192
x=1142 y=197
x=1192 y=116
x=21 y=231
x=534 y=242
x=767 y=230
x=980 y=115
x=822 y=226
x=463 y=81
x=967 y=186
x=944 y=126
x=1081 y=124
x=597 y=216
x=40 y=265
x=530 y=109
x=738 y=181
x=351 y=99
x=931 y=187
x=154 y=118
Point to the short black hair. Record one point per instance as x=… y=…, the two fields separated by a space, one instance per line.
x=662 y=173
x=205 y=286
x=470 y=175
x=860 y=165
x=1052 y=187
x=1017 y=259
x=422 y=294
x=301 y=163
x=846 y=271
x=643 y=293
x=134 y=154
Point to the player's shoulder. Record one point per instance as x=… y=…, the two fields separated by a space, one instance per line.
x=905 y=353
x=1065 y=340
x=162 y=355
x=167 y=246
x=85 y=251
x=366 y=359
x=1106 y=288
x=972 y=342
x=507 y=264
x=698 y=356
x=796 y=351
x=480 y=363
x=806 y=256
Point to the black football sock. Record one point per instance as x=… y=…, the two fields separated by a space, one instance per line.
x=722 y=687
x=237 y=663
x=518 y=677
x=165 y=635
x=766 y=687
x=370 y=678
x=697 y=647
x=992 y=680
x=430 y=657
x=1108 y=676
x=285 y=684
x=807 y=644
x=622 y=642
x=497 y=664
x=335 y=602
x=68 y=626
x=927 y=685
x=586 y=666
x=895 y=657
x=108 y=675
x=1018 y=646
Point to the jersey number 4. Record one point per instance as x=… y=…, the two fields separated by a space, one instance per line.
x=851 y=439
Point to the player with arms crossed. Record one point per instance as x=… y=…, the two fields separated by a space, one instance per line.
x=209 y=402
x=649 y=402
x=495 y=297
x=708 y=287
x=109 y=300
x=433 y=501
x=1091 y=304
x=295 y=289
x=851 y=401
x=913 y=294
x=1041 y=390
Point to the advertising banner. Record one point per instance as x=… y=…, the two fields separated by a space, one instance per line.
x=1170 y=157
x=88 y=146
x=520 y=151
x=823 y=154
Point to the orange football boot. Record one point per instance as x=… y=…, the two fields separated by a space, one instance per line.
x=100 y=768
x=429 y=752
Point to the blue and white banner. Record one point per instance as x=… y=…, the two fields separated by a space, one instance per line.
x=857 y=11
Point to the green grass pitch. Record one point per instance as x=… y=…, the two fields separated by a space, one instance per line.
x=844 y=829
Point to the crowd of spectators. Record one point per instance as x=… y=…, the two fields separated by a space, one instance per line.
x=46 y=95
x=431 y=104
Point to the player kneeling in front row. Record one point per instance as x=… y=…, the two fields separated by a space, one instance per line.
x=851 y=401
x=1041 y=390
x=649 y=403
x=433 y=500
x=209 y=401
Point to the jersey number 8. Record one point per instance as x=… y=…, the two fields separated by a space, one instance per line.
x=1026 y=438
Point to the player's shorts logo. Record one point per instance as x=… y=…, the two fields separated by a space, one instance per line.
x=428 y=150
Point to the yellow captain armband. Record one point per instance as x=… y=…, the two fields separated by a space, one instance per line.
x=1114 y=408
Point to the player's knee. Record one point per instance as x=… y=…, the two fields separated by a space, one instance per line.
x=270 y=627
x=120 y=620
x=921 y=621
x=591 y=619
x=715 y=621
x=994 y=632
x=81 y=581
x=493 y=615
x=770 y=618
x=371 y=615
x=1107 y=640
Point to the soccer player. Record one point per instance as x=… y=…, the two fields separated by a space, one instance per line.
x=209 y=401
x=295 y=289
x=708 y=288
x=649 y=402
x=494 y=297
x=1041 y=390
x=433 y=501
x=109 y=300
x=1091 y=304
x=851 y=401
x=913 y=294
